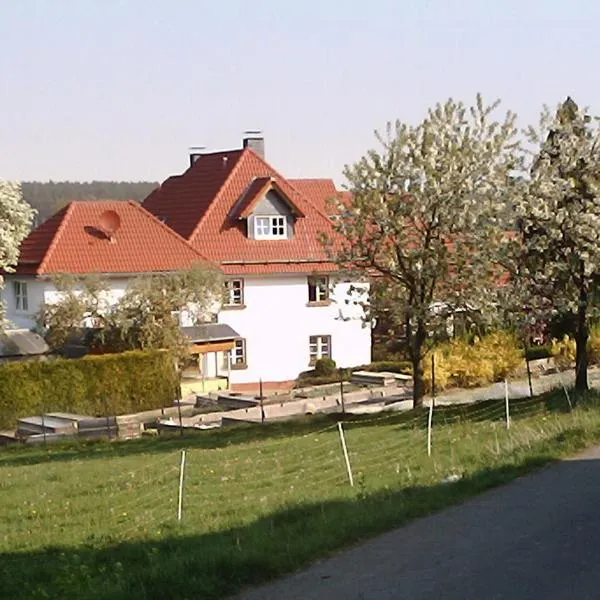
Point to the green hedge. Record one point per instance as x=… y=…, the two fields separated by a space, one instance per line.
x=94 y=385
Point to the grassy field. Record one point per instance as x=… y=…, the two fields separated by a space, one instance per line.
x=99 y=520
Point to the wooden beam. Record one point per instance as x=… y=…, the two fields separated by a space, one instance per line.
x=210 y=347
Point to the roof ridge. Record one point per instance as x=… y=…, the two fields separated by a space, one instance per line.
x=166 y=228
x=58 y=234
x=214 y=201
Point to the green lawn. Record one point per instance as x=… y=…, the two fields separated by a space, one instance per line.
x=99 y=520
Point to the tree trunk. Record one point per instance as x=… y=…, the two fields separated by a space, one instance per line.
x=417 y=364
x=581 y=341
x=418 y=382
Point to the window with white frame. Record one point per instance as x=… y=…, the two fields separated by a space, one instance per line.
x=320 y=347
x=318 y=289
x=234 y=292
x=270 y=227
x=21 y=301
x=237 y=355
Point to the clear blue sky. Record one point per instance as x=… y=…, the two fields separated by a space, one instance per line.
x=118 y=89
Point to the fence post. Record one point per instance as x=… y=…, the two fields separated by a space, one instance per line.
x=566 y=394
x=43 y=419
x=507 y=404
x=432 y=376
x=429 y=425
x=430 y=418
x=180 y=496
x=107 y=417
x=342 y=392
x=180 y=419
x=348 y=468
x=260 y=397
x=529 y=374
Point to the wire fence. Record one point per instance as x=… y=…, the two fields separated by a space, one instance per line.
x=214 y=489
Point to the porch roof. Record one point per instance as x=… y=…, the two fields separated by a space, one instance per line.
x=22 y=342
x=210 y=332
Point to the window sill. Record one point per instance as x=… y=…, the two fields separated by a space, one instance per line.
x=239 y=367
x=233 y=307
x=319 y=303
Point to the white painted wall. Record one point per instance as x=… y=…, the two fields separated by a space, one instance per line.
x=277 y=324
x=43 y=291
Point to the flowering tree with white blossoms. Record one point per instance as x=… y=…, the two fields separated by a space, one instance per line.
x=16 y=217
x=558 y=210
x=427 y=217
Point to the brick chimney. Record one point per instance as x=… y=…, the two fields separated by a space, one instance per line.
x=256 y=141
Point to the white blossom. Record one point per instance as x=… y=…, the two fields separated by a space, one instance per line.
x=15 y=223
x=428 y=212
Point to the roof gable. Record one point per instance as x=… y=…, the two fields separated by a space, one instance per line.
x=257 y=192
x=73 y=242
x=224 y=239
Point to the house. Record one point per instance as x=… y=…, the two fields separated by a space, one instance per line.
x=284 y=295
x=117 y=240
x=286 y=304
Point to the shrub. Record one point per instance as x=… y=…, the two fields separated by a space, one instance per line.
x=392 y=366
x=563 y=352
x=594 y=345
x=95 y=385
x=459 y=363
x=310 y=378
x=325 y=367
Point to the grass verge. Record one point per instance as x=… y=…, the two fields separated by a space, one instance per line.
x=98 y=521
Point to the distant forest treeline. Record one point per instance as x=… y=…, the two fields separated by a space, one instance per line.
x=50 y=196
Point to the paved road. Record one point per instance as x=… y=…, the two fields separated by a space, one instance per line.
x=536 y=538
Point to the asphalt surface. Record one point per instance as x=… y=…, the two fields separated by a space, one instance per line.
x=535 y=538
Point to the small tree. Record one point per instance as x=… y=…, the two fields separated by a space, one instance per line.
x=147 y=316
x=559 y=217
x=82 y=302
x=16 y=217
x=427 y=217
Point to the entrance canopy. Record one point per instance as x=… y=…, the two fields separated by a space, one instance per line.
x=210 y=337
x=17 y=343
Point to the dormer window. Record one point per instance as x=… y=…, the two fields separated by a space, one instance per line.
x=270 y=227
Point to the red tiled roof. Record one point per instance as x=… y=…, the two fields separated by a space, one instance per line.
x=318 y=191
x=72 y=241
x=199 y=207
x=184 y=199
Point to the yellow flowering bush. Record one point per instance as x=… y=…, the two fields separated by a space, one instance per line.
x=459 y=363
x=594 y=345
x=563 y=352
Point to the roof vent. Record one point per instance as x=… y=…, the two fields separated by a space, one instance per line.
x=255 y=140
x=109 y=224
x=195 y=153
